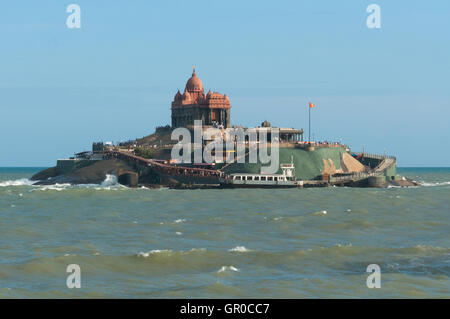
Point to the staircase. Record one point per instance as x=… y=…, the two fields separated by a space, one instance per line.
x=385 y=164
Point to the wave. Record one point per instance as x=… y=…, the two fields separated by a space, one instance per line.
x=17 y=182
x=154 y=251
x=227 y=268
x=197 y=249
x=240 y=249
x=167 y=264
x=55 y=187
x=168 y=252
x=110 y=183
x=430 y=184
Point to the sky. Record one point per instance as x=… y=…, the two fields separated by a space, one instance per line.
x=384 y=89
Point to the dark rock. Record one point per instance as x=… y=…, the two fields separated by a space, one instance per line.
x=92 y=174
x=45 y=174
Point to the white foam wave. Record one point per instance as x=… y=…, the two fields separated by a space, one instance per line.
x=110 y=183
x=179 y=221
x=239 y=249
x=169 y=251
x=55 y=187
x=430 y=184
x=227 y=268
x=17 y=182
x=110 y=180
x=197 y=249
x=154 y=251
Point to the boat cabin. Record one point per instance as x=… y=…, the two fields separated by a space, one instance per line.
x=261 y=177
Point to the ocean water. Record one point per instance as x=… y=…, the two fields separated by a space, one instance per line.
x=295 y=243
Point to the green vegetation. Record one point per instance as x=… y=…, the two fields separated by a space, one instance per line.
x=145 y=152
x=308 y=164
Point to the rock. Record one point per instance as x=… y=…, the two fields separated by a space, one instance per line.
x=92 y=174
x=406 y=182
x=45 y=174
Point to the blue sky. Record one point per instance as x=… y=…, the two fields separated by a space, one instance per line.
x=114 y=79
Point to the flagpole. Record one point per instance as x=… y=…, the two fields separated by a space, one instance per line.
x=309 y=125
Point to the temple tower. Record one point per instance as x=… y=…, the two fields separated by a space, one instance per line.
x=213 y=108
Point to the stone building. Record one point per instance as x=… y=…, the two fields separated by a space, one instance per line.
x=212 y=108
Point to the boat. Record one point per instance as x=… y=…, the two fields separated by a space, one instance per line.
x=286 y=179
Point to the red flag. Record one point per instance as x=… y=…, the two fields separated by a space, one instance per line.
x=311 y=105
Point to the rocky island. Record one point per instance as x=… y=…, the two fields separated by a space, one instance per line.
x=149 y=161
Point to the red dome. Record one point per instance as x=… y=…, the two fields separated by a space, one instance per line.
x=194 y=84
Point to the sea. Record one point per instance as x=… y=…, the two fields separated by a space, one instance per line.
x=234 y=243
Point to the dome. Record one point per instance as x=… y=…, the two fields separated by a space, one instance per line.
x=194 y=84
x=265 y=124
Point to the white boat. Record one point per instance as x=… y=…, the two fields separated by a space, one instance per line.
x=245 y=180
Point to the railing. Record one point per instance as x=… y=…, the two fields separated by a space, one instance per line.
x=321 y=144
x=375 y=156
x=166 y=169
x=354 y=176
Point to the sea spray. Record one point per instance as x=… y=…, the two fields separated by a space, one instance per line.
x=110 y=180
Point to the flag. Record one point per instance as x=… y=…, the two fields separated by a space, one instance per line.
x=311 y=105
